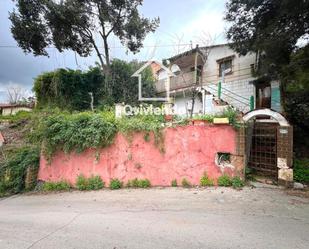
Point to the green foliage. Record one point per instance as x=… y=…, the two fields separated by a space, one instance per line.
x=75 y=132
x=69 y=89
x=76 y=24
x=185 y=183
x=13 y=169
x=138 y=183
x=91 y=183
x=301 y=170
x=237 y=182
x=18 y=117
x=82 y=183
x=174 y=183
x=56 y=186
x=115 y=184
x=229 y=113
x=225 y=181
x=144 y=183
x=205 y=181
x=272 y=27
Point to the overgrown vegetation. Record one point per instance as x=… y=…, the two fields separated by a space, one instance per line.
x=224 y=181
x=237 y=182
x=115 y=184
x=56 y=186
x=185 y=183
x=91 y=183
x=301 y=170
x=83 y=90
x=229 y=113
x=138 y=183
x=174 y=183
x=205 y=181
x=13 y=169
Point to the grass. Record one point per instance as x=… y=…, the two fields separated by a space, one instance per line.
x=56 y=186
x=91 y=183
x=301 y=170
x=205 y=181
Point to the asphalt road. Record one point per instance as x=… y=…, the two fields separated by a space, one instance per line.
x=156 y=218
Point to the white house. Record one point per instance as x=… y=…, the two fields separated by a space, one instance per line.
x=198 y=73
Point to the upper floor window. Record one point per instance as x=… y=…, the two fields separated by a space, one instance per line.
x=226 y=65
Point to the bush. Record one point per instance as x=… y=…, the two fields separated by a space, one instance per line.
x=237 y=182
x=136 y=183
x=301 y=170
x=13 y=170
x=205 y=181
x=174 y=183
x=144 y=183
x=56 y=186
x=185 y=183
x=224 y=180
x=81 y=183
x=95 y=183
x=92 y=183
x=115 y=184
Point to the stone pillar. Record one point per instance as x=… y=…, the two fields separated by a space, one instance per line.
x=238 y=159
x=285 y=155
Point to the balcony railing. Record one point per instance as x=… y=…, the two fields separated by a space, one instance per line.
x=182 y=80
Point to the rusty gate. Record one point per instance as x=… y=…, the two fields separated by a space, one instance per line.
x=262 y=153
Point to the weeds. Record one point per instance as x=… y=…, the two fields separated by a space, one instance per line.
x=56 y=186
x=115 y=184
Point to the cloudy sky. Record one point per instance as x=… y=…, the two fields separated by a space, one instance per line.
x=182 y=23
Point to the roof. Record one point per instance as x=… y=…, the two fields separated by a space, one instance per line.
x=15 y=105
x=194 y=50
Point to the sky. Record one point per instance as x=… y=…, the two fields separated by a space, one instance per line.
x=183 y=24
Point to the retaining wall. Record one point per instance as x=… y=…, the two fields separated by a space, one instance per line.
x=189 y=152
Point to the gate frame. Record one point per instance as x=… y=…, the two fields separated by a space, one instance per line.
x=284 y=144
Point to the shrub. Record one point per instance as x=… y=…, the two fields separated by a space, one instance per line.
x=301 y=170
x=174 y=183
x=56 y=186
x=136 y=183
x=81 y=183
x=237 y=182
x=95 y=183
x=205 y=181
x=224 y=180
x=144 y=183
x=185 y=183
x=115 y=184
x=91 y=183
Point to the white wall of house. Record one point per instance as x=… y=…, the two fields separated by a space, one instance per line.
x=237 y=87
x=182 y=103
x=13 y=110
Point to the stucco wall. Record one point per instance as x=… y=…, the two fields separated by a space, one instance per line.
x=189 y=151
x=14 y=110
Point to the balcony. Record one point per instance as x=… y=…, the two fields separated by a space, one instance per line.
x=179 y=81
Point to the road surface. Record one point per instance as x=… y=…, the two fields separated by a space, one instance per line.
x=156 y=218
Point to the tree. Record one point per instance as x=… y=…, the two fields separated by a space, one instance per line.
x=15 y=94
x=79 y=25
x=271 y=28
x=78 y=90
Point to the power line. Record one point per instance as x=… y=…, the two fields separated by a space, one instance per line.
x=115 y=47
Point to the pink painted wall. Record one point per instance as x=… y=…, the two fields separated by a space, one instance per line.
x=189 y=151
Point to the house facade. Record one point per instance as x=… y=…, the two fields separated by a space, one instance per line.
x=12 y=109
x=208 y=79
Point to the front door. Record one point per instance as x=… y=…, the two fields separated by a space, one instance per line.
x=263 y=96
